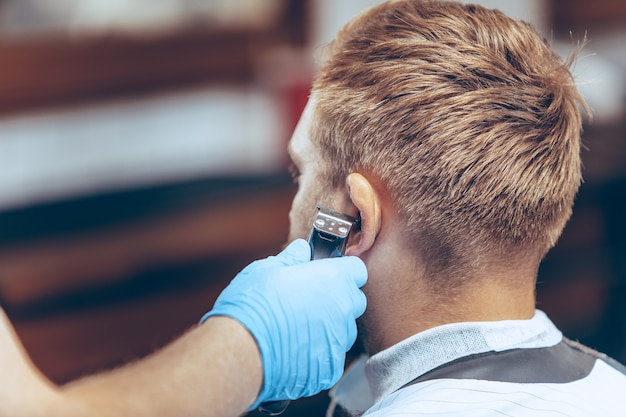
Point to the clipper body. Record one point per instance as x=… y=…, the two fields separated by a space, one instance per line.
x=329 y=236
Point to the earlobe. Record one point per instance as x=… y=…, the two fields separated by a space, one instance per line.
x=366 y=200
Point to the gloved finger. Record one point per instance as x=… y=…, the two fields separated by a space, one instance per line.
x=339 y=364
x=345 y=273
x=352 y=334
x=356 y=269
x=296 y=252
x=355 y=300
x=359 y=302
x=348 y=267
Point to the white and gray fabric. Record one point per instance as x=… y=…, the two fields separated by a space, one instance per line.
x=504 y=368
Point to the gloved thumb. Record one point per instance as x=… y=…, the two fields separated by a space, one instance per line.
x=295 y=253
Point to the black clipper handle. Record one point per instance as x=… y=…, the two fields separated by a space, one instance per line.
x=274 y=408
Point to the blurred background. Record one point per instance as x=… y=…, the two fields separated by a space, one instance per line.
x=143 y=163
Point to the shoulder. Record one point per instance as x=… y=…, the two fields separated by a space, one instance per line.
x=596 y=394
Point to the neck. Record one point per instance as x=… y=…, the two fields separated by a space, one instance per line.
x=400 y=306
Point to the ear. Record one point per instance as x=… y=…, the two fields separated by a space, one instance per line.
x=367 y=202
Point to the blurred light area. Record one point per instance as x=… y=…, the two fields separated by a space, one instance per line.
x=331 y=15
x=176 y=137
x=532 y=11
x=208 y=132
x=140 y=17
x=600 y=73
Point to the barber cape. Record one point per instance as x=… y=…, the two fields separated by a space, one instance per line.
x=504 y=368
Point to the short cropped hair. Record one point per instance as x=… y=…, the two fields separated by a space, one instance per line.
x=467 y=117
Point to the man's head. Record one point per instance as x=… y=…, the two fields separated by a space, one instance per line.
x=466 y=120
x=467 y=117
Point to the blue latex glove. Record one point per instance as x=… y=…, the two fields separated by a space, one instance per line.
x=302 y=314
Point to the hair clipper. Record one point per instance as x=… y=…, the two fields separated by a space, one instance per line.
x=329 y=236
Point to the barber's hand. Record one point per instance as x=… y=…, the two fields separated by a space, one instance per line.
x=302 y=314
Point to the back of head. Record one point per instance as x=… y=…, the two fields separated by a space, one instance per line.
x=467 y=117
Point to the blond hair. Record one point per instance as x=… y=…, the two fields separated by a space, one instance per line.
x=469 y=119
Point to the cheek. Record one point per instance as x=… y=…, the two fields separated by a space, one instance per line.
x=311 y=193
x=301 y=215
